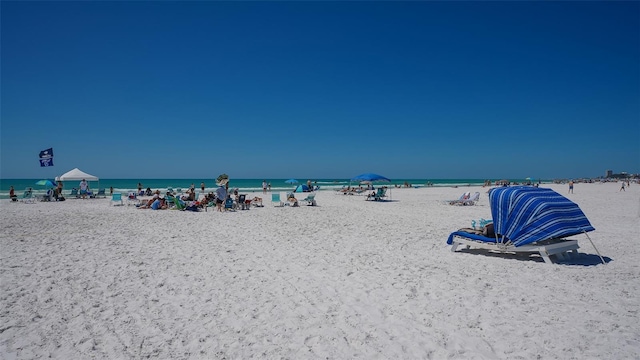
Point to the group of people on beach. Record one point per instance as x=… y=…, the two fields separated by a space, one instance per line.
x=190 y=201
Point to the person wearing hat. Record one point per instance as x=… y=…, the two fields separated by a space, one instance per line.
x=221 y=193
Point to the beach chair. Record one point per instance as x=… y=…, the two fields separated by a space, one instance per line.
x=470 y=201
x=243 y=203
x=132 y=199
x=310 y=199
x=28 y=197
x=179 y=204
x=275 y=199
x=380 y=194
x=229 y=204
x=74 y=193
x=463 y=197
x=48 y=196
x=100 y=193
x=116 y=198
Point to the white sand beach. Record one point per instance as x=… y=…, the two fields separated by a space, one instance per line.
x=350 y=278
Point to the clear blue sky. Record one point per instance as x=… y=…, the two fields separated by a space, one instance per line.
x=321 y=89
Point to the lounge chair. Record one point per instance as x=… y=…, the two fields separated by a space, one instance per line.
x=74 y=193
x=116 y=198
x=100 y=193
x=28 y=197
x=527 y=220
x=379 y=195
x=275 y=199
x=470 y=201
x=48 y=196
x=465 y=196
x=132 y=199
x=179 y=204
x=310 y=199
x=560 y=248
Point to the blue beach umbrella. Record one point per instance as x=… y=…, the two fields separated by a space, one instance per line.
x=46 y=182
x=370 y=177
x=292 y=181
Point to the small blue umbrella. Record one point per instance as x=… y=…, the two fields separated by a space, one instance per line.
x=292 y=181
x=46 y=182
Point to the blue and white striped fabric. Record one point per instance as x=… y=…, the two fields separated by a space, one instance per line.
x=525 y=214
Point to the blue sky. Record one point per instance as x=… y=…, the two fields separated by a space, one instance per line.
x=321 y=89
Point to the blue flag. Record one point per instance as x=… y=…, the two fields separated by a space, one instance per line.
x=46 y=157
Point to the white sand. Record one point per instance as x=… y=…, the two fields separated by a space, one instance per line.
x=348 y=279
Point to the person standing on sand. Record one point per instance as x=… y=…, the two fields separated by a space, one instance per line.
x=622 y=188
x=202 y=186
x=264 y=186
x=59 y=189
x=571 y=187
x=84 y=188
x=221 y=194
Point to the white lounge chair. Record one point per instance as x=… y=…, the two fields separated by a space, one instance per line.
x=310 y=199
x=463 y=197
x=470 y=201
x=560 y=248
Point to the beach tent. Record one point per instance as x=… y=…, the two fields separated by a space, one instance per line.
x=302 y=188
x=77 y=174
x=526 y=214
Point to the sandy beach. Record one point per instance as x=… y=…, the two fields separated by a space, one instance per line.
x=350 y=278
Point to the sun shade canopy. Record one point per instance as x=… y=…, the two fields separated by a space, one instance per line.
x=525 y=214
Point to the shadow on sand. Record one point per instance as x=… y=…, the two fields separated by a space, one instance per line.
x=582 y=259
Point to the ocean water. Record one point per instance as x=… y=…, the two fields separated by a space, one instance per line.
x=244 y=185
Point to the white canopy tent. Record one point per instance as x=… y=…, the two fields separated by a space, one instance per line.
x=77 y=174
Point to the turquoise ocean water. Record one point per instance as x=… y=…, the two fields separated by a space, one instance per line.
x=245 y=185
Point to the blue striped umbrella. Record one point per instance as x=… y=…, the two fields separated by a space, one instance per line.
x=525 y=214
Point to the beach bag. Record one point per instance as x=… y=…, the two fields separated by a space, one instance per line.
x=61 y=198
x=192 y=208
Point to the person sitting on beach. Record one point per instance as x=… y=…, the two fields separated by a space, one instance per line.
x=292 y=200
x=148 y=192
x=147 y=205
x=159 y=204
x=191 y=194
x=257 y=201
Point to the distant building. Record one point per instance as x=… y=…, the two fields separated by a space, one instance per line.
x=609 y=173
